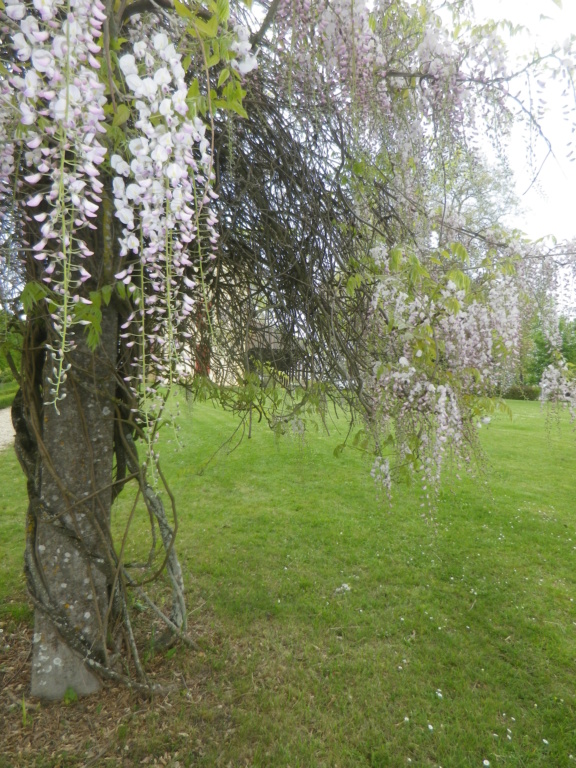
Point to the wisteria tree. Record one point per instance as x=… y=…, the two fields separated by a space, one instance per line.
x=176 y=172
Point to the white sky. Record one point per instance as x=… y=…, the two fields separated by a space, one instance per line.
x=550 y=206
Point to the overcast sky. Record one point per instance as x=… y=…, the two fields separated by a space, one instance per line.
x=550 y=206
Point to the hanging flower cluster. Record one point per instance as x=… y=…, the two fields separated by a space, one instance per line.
x=428 y=421
x=437 y=348
x=161 y=184
x=349 y=52
x=58 y=92
x=6 y=146
x=349 y=49
x=557 y=387
x=245 y=60
x=162 y=197
x=482 y=337
x=59 y=99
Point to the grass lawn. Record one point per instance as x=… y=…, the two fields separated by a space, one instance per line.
x=453 y=645
x=7 y=391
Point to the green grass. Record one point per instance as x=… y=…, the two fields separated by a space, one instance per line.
x=7 y=391
x=466 y=623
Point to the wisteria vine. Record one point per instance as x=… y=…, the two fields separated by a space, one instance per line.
x=109 y=117
x=440 y=349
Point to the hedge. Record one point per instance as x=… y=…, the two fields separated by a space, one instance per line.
x=522 y=392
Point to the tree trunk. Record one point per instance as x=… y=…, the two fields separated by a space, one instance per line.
x=68 y=561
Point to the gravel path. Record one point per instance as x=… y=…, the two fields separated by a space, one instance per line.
x=6 y=429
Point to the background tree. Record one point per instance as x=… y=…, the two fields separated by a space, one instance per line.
x=542 y=352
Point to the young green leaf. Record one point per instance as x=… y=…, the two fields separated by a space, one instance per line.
x=224 y=75
x=121 y=116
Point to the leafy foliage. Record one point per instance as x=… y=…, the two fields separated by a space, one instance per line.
x=542 y=352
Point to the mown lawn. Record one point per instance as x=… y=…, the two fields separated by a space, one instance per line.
x=7 y=391
x=454 y=643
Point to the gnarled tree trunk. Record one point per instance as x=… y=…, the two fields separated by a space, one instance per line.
x=67 y=454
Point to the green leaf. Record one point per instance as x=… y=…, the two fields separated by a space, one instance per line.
x=235 y=106
x=194 y=89
x=452 y=305
x=93 y=337
x=213 y=53
x=459 y=252
x=106 y=291
x=199 y=104
x=395 y=259
x=121 y=116
x=460 y=280
x=417 y=271
x=360 y=435
x=224 y=75
x=115 y=44
x=338 y=450
x=32 y=294
x=70 y=696
x=223 y=10
x=182 y=10
x=353 y=282
x=90 y=316
x=207 y=29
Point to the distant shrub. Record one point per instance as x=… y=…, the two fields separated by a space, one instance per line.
x=522 y=392
x=5 y=375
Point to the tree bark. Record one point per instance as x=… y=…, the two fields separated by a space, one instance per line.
x=69 y=563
